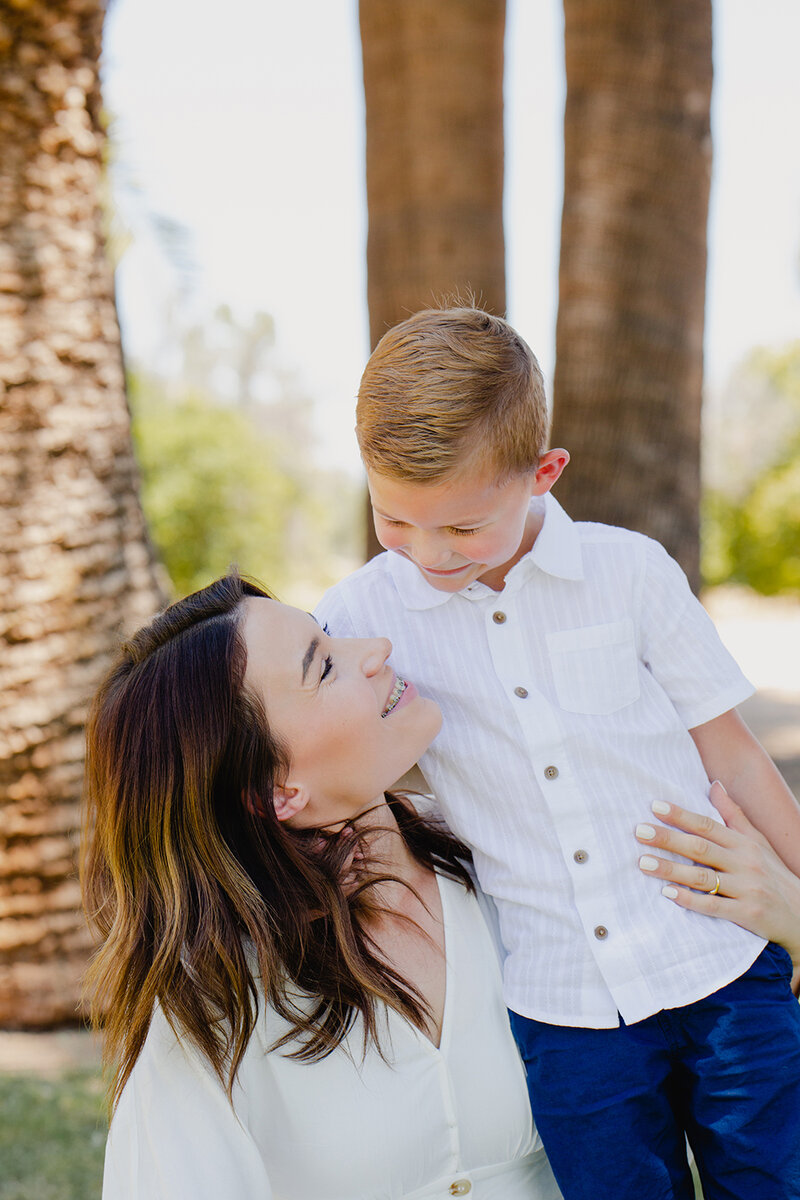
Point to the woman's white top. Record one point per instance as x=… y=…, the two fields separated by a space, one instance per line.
x=427 y=1123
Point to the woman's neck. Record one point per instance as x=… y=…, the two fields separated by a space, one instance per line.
x=383 y=851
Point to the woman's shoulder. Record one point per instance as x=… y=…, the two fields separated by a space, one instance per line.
x=474 y=910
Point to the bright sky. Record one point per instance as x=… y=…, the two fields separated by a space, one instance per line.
x=244 y=123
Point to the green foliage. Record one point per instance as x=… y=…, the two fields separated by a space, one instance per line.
x=751 y=521
x=224 y=484
x=781 y=368
x=756 y=540
x=52 y=1136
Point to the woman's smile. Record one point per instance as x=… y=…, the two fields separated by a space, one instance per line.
x=402 y=693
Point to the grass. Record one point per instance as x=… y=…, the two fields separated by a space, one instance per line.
x=52 y=1136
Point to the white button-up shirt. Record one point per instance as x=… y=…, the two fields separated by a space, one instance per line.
x=567 y=699
x=423 y=1123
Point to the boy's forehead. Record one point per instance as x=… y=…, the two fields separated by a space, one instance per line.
x=464 y=499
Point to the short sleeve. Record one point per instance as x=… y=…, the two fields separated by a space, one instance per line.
x=681 y=647
x=175 y=1133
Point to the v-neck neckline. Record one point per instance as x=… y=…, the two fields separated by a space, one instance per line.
x=419 y=1034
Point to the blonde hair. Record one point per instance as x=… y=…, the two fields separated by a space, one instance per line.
x=449 y=389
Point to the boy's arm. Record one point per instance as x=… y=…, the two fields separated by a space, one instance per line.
x=732 y=754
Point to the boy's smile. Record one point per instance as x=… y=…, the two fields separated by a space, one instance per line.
x=465 y=528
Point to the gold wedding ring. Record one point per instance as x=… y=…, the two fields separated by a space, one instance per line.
x=713 y=891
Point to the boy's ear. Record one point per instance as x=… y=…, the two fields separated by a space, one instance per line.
x=288 y=801
x=551 y=464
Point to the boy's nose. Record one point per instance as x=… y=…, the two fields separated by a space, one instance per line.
x=429 y=552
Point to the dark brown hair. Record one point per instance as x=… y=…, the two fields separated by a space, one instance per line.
x=447 y=390
x=194 y=886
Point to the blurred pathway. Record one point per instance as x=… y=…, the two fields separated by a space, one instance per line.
x=48 y=1053
x=763 y=634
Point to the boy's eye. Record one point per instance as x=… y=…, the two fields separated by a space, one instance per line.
x=327 y=667
x=464 y=532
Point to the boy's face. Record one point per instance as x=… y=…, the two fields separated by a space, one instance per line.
x=464 y=529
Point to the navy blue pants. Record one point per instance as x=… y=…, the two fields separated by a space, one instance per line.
x=614 y=1106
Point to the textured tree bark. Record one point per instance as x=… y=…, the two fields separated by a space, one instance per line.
x=433 y=84
x=629 y=339
x=75 y=566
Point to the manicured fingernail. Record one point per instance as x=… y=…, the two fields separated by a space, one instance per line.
x=646 y=832
x=648 y=863
x=659 y=807
x=669 y=891
x=721 y=784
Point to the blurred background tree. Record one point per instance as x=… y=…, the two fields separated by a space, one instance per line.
x=75 y=563
x=210 y=487
x=226 y=452
x=226 y=465
x=632 y=275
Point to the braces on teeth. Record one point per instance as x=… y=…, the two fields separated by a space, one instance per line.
x=394 y=695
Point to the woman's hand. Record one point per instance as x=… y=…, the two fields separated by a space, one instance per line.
x=756 y=889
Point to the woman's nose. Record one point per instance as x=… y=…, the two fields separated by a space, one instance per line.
x=376 y=652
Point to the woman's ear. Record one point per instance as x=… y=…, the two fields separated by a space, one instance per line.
x=288 y=801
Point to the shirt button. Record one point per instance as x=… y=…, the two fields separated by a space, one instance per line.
x=521 y=692
x=460 y=1187
x=600 y=932
x=551 y=772
x=499 y=618
x=580 y=856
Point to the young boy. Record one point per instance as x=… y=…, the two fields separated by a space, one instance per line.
x=578 y=676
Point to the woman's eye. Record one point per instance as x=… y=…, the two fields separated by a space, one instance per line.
x=327 y=667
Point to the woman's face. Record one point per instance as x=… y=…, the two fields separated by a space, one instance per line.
x=351 y=727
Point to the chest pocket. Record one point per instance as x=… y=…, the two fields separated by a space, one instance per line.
x=596 y=669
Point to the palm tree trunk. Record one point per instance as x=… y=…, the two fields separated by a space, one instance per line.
x=74 y=559
x=629 y=338
x=433 y=84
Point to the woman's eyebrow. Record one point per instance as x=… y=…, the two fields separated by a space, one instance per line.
x=308 y=657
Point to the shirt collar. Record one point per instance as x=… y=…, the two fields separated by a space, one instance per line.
x=556 y=551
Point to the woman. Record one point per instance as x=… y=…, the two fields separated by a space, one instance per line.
x=296 y=981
